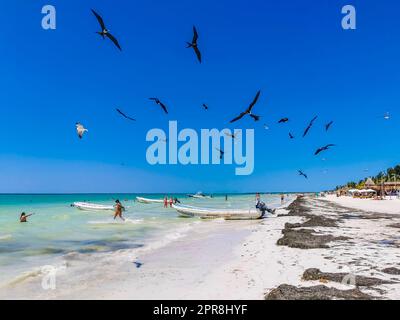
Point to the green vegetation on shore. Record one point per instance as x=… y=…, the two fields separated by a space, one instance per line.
x=391 y=174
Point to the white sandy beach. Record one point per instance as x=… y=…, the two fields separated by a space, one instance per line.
x=391 y=206
x=235 y=260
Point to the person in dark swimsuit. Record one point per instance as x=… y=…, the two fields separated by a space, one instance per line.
x=24 y=216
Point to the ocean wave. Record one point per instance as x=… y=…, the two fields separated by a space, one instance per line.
x=5 y=237
x=116 y=222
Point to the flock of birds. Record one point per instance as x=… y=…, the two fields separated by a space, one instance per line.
x=104 y=33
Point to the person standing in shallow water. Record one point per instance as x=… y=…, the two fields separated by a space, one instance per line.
x=165 y=202
x=282 y=198
x=171 y=202
x=118 y=210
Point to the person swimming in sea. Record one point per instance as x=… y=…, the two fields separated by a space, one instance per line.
x=23 y=217
x=118 y=210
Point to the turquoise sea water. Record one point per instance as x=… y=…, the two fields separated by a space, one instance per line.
x=57 y=229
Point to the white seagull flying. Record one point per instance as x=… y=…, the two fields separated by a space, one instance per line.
x=80 y=130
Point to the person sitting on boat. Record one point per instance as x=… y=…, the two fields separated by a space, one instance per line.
x=24 y=216
x=118 y=210
x=176 y=200
x=263 y=208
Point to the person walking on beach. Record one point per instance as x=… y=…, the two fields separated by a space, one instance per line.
x=118 y=210
x=282 y=198
x=165 y=202
x=23 y=217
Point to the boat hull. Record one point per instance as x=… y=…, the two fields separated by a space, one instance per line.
x=85 y=206
x=227 y=214
x=148 y=201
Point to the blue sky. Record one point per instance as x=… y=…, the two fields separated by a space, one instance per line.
x=295 y=52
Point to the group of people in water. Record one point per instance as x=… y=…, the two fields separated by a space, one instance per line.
x=170 y=202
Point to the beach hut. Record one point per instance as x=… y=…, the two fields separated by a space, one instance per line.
x=370 y=183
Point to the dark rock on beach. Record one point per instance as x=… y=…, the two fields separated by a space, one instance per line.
x=288 y=292
x=306 y=239
x=292 y=225
x=298 y=208
x=393 y=271
x=314 y=221
x=359 y=281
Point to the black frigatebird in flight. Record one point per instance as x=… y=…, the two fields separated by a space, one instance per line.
x=319 y=150
x=232 y=135
x=309 y=126
x=301 y=173
x=328 y=125
x=104 y=32
x=221 y=153
x=162 y=105
x=194 y=45
x=249 y=109
x=124 y=115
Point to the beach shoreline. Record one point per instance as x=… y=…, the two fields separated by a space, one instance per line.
x=303 y=252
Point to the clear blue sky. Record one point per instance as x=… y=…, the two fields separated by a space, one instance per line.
x=294 y=51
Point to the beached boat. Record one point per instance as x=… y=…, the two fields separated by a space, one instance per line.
x=146 y=200
x=199 y=195
x=209 y=213
x=87 y=206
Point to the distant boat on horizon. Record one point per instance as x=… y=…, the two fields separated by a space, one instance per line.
x=199 y=195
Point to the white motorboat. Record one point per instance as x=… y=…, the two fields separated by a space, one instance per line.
x=212 y=213
x=146 y=200
x=199 y=195
x=87 y=206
